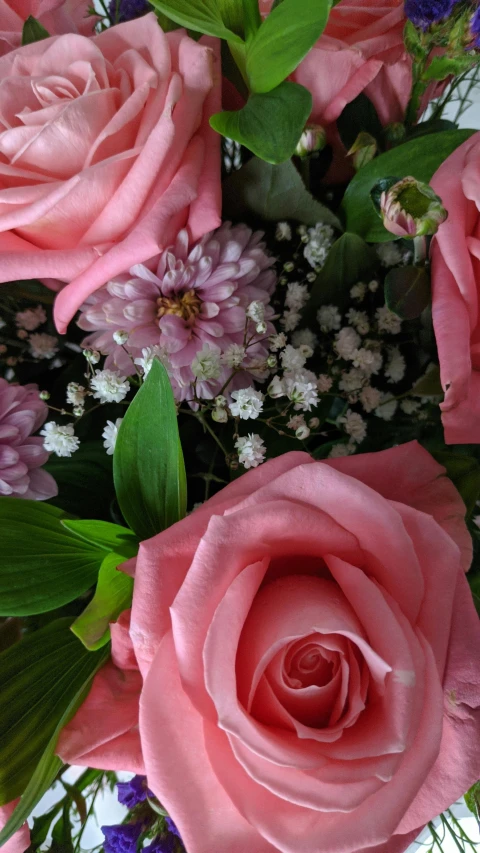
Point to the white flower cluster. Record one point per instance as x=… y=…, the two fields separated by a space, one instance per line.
x=251 y=450
x=319 y=242
x=109 y=387
x=59 y=439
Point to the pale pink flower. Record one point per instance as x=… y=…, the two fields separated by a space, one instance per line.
x=22 y=413
x=187 y=297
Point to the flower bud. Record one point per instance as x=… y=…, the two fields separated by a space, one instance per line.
x=363 y=150
x=261 y=328
x=312 y=139
x=302 y=432
x=44 y=395
x=276 y=389
x=120 y=337
x=220 y=415
x=220 y=401
x=410 y=208
x=314 y=423
x=92 y=355
x=272 y=361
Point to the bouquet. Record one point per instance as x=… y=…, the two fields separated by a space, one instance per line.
x=239 y=423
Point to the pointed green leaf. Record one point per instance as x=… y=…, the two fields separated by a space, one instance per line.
x=33 y=31
x=112 y=596
x=283 y=40
x=269 y=124
x=104 y=534
x=273 y=193
x=40 y=676
x=43 y=565
x=429 y=385
x=204 y=16
x=419 y=157
x=407 y=291
x=148 y=466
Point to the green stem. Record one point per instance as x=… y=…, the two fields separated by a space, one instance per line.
x=419 y=251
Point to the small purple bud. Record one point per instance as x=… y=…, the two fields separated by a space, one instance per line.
x=121 y=838
x=126 y=10
x=133 y=792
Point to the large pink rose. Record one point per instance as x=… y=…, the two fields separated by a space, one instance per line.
x=57 y=16
x=456 y=292
x=361 y=50
x=309 y=652
x=106 y=153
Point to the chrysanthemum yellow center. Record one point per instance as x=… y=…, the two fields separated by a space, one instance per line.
x=186 y=305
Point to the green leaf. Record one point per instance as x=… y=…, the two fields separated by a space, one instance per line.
x=41 y=676
x=349 y=261
x=43 y=565
x=283 y=40
x=464 y=472
x=419 y=157
x=103 y=534
x=428 y=385
x=85 y=482
x=204 y=16
x=359 y=116
x=33 y=31
x=272 y=193
x=407 y=291
x=269 y=124
x=472 y=799
x=252 y=19
x=442 y=67
x=112 y=596
x=148 y=466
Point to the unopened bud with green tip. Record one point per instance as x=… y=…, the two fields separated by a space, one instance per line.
x=363 y=150
x=312 y=139
x=408 y=208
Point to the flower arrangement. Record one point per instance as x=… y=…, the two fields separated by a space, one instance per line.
x=239 y=424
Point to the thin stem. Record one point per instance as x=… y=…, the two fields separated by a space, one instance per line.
x=89 y=814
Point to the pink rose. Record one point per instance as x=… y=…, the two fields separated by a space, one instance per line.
x=361 y=50
x=21 y=840
x=107 y=153
x=57 y=16
x=456 y=292
x=309 y=652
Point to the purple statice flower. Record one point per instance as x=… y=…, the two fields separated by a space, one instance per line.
x=188 y=298
x=424 y=13
x=121 y=838
x=161 y=845
x=22 y=413
x=475 y=27
x=126 y=10
x=172 y=827
x=133 y=792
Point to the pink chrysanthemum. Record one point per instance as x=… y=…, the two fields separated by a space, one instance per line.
x=185 y=298
x=22 y=412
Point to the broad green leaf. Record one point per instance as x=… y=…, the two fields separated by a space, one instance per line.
x=359 y=116
x=419 y=157
x=33 y=31
x=112 y=596
x=283 y=40
x=85 y=482
x=252 y=19
x=269 y=124
x=205 y=16
x=43 y=565
x=273 y=193
x=464 y=472
x=105 y=535
x=40 y=676
x=428 y=385
x=349 y=261
x=148 y=466
x=407 y=291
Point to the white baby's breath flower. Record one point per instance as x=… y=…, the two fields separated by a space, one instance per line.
x=410 y=406
x=30 y=319
x=296 y=296
x=43 y=345
x=276 y=388
x=305 y=337
x=290 y=320
x=395 y=366
x=283 y=231
x=220 y=415
x=277 y=342
x=251 y=450
x=352 y=380
x=386 y=408
x=76 y=394
x=301 y=388
x=339 y=450
x=256 y=311
x=370 y=398
x=120 y=336
x=92 y=355
x=145 y=361
x=324 y=383
x=246 y=403
x=358 y=291
x=373 y=285
x=59 y=439
x=388 y=321
x=110 y=434
x=233 y=355
x=359 y=320
x=347 y=342
x=389 y=254
x=365 y=360
x=354 y=425
x=292 y=359
x=320 y=239
x=329 y=318
x=109 y=386
x=296 y=421
x=206 y=364
x=302 y=432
